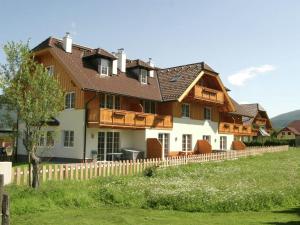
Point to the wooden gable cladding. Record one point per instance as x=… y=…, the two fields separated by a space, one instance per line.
x=66 y=83
x=196 y=110
x=231 y=118
x=131 y=104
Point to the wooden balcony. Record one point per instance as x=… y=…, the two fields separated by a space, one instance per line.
x=127 y=119
x=236 y=129
x=208 y=95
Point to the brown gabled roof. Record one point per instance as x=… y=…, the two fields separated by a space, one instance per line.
x=167 y=84
x=240 y=110
x=253 y=110
x=294 y=127
x=175 y=80
x=89 y=79
x=138 y=63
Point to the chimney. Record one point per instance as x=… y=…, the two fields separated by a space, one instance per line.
x=67 y=43
x=151 y=72
x=121 y=59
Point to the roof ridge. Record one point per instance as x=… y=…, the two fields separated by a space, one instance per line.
x=76 y=45
x=190 y=64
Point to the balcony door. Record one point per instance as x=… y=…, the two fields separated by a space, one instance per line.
x=164 y=139
x=108 y=146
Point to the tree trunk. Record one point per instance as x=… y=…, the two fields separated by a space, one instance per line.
x=35 y=161
x=29 y=169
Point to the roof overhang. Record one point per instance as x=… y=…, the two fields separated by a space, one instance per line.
x=185 y=93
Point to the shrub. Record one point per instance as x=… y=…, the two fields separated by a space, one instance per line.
x=270 y=142
x=150 y=171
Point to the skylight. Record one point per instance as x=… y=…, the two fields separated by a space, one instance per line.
x=175 y=77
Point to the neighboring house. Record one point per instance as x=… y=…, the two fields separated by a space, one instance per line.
x=114 y=103
x=232 y=122
x=291 y=132
x=259 y=121
x=8 y=121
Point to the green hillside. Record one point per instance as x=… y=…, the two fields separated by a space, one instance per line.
x=284 y=119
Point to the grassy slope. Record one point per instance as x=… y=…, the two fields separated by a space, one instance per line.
x=110 y=216
x=258 y=183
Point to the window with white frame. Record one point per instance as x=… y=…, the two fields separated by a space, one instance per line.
x=185 y=110
x=68 y=138
x=164 y=139
x=110 y=101
x=186 y=142
x=149 y=106
x=223 y=143
x=207 y=138
x=50 y=70
x=143 y=76
x=104 y=68
x=207 y=113
x=46 y=139
x=70 y=100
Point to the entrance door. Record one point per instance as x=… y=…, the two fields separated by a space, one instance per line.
x=164 y=139
x=108 y=146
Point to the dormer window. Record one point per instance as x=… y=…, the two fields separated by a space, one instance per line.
x=143 y=76
x=104 y=68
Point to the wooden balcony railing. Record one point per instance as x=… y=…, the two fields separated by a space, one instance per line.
x=236 y=129
x=208 y=94
x=128 y=119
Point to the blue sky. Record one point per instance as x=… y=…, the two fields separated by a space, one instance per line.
x=254 y=45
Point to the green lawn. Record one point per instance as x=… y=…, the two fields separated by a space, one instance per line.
x=109 y=216
x=246 y=190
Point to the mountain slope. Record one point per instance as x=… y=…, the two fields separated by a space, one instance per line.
x=284 y=119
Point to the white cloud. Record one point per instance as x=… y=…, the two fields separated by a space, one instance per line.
x=242 y=76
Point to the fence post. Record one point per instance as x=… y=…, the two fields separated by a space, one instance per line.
x=44 y=173
x=5 y=209
x=50 y=172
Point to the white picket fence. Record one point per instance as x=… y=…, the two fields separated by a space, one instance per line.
x=84 y=171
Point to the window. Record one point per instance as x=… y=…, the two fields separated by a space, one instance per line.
x=50 y=70
x=283 y=133
x=70 y=100
x=185 y=110
x=164 y=139
x=150 y=107
x=41 y=141
x=104 y=67
x=50 y=138
x=110 y=101
x=186 y=142
x=108 y=146
x=207 y=138
x=143 y=76
x=207 y=113
x=68 y=138
x=289 y=133
x=223 y=143
x=46 y=139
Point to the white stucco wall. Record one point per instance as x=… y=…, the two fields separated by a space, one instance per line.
x=131 y=139
x=197 y=128
x=69 y=120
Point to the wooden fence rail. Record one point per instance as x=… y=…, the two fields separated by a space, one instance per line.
x=84 y=171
